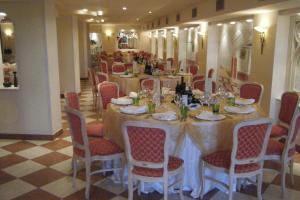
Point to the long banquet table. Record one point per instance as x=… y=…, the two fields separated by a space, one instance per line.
x=190 y=139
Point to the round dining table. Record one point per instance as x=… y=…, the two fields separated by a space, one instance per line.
x=190 y=139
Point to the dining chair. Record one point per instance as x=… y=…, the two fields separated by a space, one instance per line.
x=93 y=129
x=118 y=68
x=104 y=66
x=283 y=153
x=193 y=69
x=107 y=91
x=128 y=66
x=198 y=77
x=288 y=107
x=101 y=77
x=148 y=156
x=92 y=80
x=211 y=73
x=244 y=160
x=147 y=84
x=90 y=151
x=252 y=90
x=170 y=59
x=200 y=85
x=161 y=66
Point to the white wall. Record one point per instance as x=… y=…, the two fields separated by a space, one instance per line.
x=29 y=110
x=68 y=53
x=182 y=48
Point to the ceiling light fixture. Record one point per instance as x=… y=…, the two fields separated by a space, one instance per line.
x=137 y=19
x=124 y=8
x=102 y=20
x=249 y=20
x=100 y=12
x=219 y=24
x=232 y=23
x=150 y=12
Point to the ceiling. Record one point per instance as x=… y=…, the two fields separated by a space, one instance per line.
x=113 y=13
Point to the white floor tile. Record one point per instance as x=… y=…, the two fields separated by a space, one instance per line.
x=14 y=189
x=236 y=195
x=67 y=151
x=64 y=166
x=68 y=138
x=34 y=152
x=4 y=142
x=63 y=187
x=273 y=192
x=4 y=153
x=118 y=198
x=23 y=168
x=38 y=142
x=269 y=175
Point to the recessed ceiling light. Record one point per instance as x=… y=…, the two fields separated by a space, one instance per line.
x=2 y=14
x=102 y=20
x=232 y=23
x=92 y=19
x=186 y=29
x=100 y=12
x=219 y=24
x=249 y=20
x=84 y=10
x=132 y=30
x=137 y=19
x=124 y=8
x=150 y=12
x=122 y=30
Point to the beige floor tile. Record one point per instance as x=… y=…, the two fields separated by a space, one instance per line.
x=297 y=169
x=64 y=166
x=269 y=175
x=38 y=142
x=4 y=153
x=23 y=168
x=109 y=185
x=63 y=187
x=34 y=152
x=4 y=142
x=236 y=195
x=14 y=189
x=273 y=192
x=118 y=198
x=67 y=151
x=69 y=139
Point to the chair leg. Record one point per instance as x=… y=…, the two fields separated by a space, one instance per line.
x=283 y=174
x=259 y=186
x=292 y=171
x=166 y=189
x=88 y=179
x=130 y=187
x=181 y=186
x=74 y=167
x=202 y=179
x=230 y=193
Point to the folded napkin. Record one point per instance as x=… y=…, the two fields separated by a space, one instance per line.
x=242 y=101
x=209 y=116
x=166 y=116
x=239 y=110
x=135 y=110
x=121 y=101
x=133 y=95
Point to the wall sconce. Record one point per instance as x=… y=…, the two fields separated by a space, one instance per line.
x=202 y=35
x=108 y=33
x=262 y=33
x=8 y=32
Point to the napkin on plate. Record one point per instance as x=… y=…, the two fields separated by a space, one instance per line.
x=135 y=110
x=209 y=116
x=133 y=95
x=239 y=110
x=242 y=101
x=166 y=116
x=121 y=101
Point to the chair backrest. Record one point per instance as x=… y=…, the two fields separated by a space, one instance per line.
x=147 y=84
x=210 y=73
x=104 y=66
x=290 y=143
x=101 y=77
x=200 y=85
x=250 y=140
x=288 y=107
x=72 y=100
x=252 y=90
x=107 y=91
x=91 y=76
x=128 y=66
x=198 y=77
x=118 y=68
x=146 y=144
x=170 y=59
x=193 y=69
x=78 y=130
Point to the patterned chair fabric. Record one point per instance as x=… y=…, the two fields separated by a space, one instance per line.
x=276 y=148
x=75 y=126
x=279 y=130
x=147 y=84
x=251 y=91
x=72 y=100
x=108 y=91
x=289 y=103
x=198 y=77
x=161 y=67
x=128 y=66
x=193 y=69
x=101 y=77
x=118 y=68
x=200 y=85
x=104 y=67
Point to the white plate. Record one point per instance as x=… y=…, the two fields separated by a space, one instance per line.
x=239 y=110
x=209 y=116
x=118 y=73
x=126 y=75
x=167 y=116
x=134 y=110
x=242 y=101
x=121 y=101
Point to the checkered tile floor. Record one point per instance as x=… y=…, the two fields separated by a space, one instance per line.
x=34 y=170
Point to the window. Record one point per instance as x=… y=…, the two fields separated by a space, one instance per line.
x=295 y=56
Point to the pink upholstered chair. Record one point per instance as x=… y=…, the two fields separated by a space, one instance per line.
x=104 y=66
x=289 y=104
x=210 y=73
x=283 y=153
x=244 y=160
x=200 y=85
x=161 y=67
x=193 y=69
x=252 y=90
x=147 y=84
x=101 y=77
x=92 y=80
x=90 y=151
x=128 y=66
x=118 y=68
x=198 y=77
x=93 y=129
x=107 y=91
x=148 y=156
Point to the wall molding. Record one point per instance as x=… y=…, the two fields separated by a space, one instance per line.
x=31 y=136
